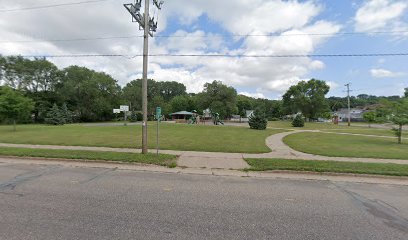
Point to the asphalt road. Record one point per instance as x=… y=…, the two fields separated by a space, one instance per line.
x=60 y=202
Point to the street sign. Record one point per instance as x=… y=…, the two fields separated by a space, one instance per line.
x=116 y=110
x=158 y=117
x=158 y=113
x=124 y=108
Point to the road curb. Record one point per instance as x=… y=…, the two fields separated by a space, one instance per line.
x=293 y=175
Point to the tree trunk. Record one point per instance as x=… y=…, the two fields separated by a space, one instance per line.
x=400 y=134
x=14 y=125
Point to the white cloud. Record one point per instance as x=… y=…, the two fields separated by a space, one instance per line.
x=383 y=73
x=244 y=17
x=271 y=75
x=332 y=85
x=253 y=95
x=376 y=15
x=317 y=65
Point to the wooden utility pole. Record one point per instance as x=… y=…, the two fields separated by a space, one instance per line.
x=144 y=83
x=149 y=26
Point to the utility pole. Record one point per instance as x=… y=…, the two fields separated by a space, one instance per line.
x=348 y=103
x=149 y=26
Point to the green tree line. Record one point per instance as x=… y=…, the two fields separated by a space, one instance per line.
x=44 y=91
x=91 y=96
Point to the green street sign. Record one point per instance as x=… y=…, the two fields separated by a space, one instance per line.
x=158 y=112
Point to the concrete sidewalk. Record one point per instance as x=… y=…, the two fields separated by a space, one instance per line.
x=283 y=151
x=188 y=159
x=216 y=160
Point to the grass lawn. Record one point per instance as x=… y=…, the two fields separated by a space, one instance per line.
x=172 y=137
x=162 y=159
x=310 y=125
x=334 y=145
x=369 y=131
x=328 y=166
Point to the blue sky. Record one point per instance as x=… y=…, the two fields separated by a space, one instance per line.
x=207 y=27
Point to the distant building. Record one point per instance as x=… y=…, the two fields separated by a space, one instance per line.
x=236 y=118
x=182 y=116
x=356 y=114
x=249 y=113
x=207 y=114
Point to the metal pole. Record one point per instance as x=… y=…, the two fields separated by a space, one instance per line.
x=157 y=136
x=125 y=118
x=348 y=104
x=144 y=83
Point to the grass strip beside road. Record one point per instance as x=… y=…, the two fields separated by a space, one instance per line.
x=162 y=159
x=184 y=137
x=334 y=145
x=328 y=166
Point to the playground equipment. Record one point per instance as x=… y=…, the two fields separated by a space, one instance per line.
x=216 y=119
x=194 y=118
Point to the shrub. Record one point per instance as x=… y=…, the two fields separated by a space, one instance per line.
x=55 y=116
x=133 y=117
x=67 y=114
x=298 y=121
x=258 y=120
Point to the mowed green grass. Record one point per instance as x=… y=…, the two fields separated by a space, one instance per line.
x=172 y=137
x=330 y=127
x=162 y=159
x=335 y=145
x=309 y=125
x=328 y=166
x=369 y=131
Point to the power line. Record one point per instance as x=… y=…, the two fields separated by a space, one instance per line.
x=281 y=56
x=220 y=35
x=292 y=34
x=218 y=55
x=73 y=39
x=51 y=6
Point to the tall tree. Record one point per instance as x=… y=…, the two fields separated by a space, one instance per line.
x=132 y=92
x=370 y=117
x=15 y=71
x=244 y=103
x=41 y=75
x=91 y=95
x=169 y=90
x=307 y=98
x=40 y=82
x=399 y=116
x=14 y=106
x=219 y=98
x=406 y=92
x=2 y=69
x=180 y=103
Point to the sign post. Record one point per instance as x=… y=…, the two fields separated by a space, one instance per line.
x=124 y=109
x=158 y=117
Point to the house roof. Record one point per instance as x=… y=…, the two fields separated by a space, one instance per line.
x=182 y=113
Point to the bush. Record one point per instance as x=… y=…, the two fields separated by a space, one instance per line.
x=55 y=116
x=67 y=114
x=139 y=117
x=298 y=121
x=133 y=117
x=258 y=120
x=136 y=117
